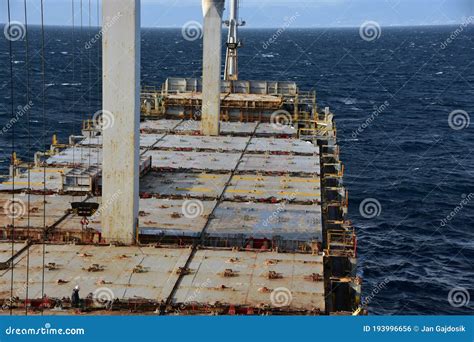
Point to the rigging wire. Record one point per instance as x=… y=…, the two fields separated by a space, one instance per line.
x=43 y=72
x=12 y=205
x=99 y=102
x=80 y=72
x=27 y=66
x=73 y=48
x=90 y=81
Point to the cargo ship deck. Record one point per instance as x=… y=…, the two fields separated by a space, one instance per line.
x=252 y=221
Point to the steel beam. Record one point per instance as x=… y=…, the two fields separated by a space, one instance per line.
x=121 y=112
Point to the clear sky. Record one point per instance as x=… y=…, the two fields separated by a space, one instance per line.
x=268 y=13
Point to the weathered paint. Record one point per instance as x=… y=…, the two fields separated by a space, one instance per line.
x=212 y=10
x=121 y=97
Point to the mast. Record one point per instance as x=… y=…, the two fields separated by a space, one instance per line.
x=233 y=43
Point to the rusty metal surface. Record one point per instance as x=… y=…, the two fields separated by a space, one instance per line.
x=265 y=220
x=183 y=184
x=158 y=126
x=6 y=250
x=177 y=142
x=149 y=273
x=254 y=188
x=81 y=157
x=249 y=283
x=261 y=98
x=193 y=160
x=174 y=217
x=189 y=127
x=280 y=164
x=146 y=140
x=83 y=179
x=54 y=179
x=177 y=218
x=78 y=155
x=56 y=206
x=262 y=145
x=269 y=129
x=168 y=217
x=275 y=195
x=194 y=85
x=114 y=276
x=227 y=128
x=241 y=187
x=73 y=224
x=211 y=66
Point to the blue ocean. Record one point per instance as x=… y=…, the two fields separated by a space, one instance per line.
x=403 y=104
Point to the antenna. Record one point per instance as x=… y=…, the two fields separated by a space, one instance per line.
x=233 y=42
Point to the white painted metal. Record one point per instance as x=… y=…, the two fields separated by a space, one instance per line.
x=233 y=43
x=121 y=101
x=211 y=107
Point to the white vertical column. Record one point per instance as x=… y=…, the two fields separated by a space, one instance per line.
x=121 y=137
x=212 y=56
